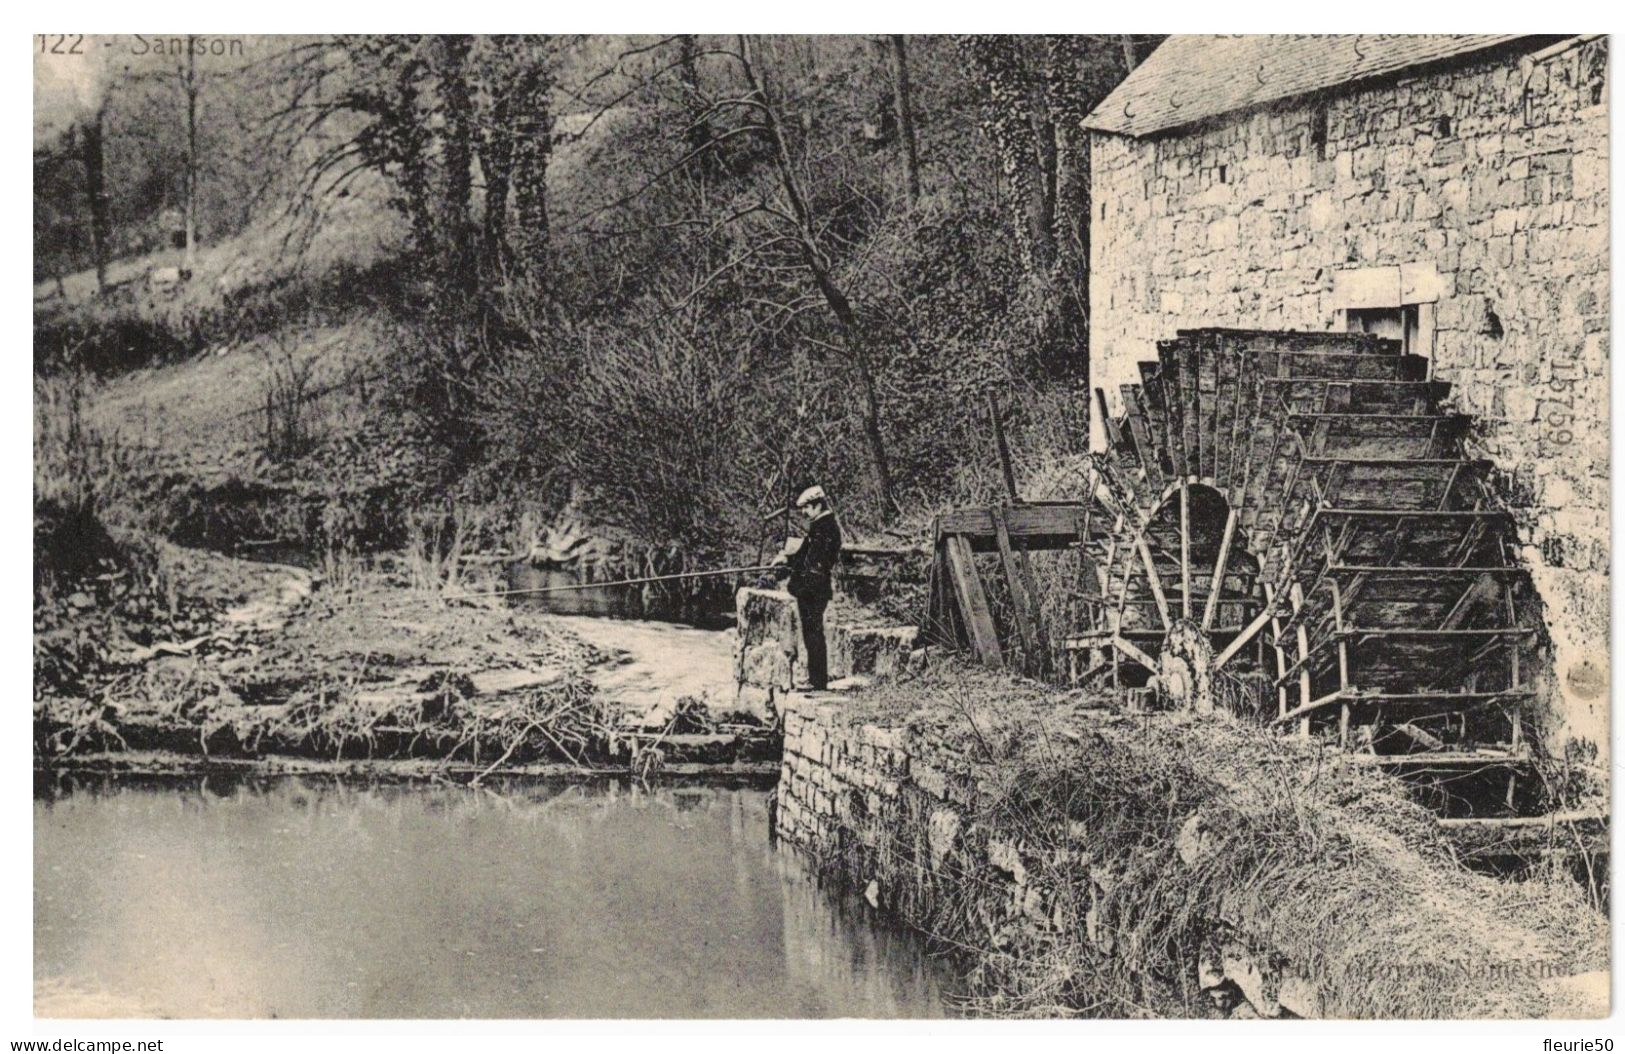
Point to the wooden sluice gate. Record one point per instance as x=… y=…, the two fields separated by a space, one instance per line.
x=958 y=614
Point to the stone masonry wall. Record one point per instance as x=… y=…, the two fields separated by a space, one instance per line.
x=892 y=803
x=907 y=792
x=1494 y=174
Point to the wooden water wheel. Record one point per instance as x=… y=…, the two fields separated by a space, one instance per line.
x=1295 y=525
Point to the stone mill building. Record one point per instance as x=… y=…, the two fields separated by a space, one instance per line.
x=1448 y=192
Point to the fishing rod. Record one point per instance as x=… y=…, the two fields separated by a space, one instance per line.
x=619 y=582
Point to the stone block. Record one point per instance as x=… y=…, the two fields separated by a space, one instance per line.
x=930 y=779
x=1208 y=972
x=1257 y=982
x=768 y=638
x=1032 y=906
x=942 y=833
x=756 y=700
x=1007 y=858
x=1193 y=841
x=1590 y=174
x=1095 y=930
x=1299 y=996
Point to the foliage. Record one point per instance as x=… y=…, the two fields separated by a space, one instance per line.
x=666 y=282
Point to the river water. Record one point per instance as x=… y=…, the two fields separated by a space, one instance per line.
x=567 y=594
x=317 y=898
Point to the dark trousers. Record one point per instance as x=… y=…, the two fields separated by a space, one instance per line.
x=811 y=611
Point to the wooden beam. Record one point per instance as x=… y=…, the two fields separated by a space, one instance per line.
x=1135 y=417
x=1450 y=485
x=1155 y=580
x=973 y=602
x=1004 y=449
x=1104 y=570
x=1244 y=636
x=931 y=630
x=1107 y=425
x=1184 y=549
x=1303 y=658
x=1020 y=597
x=1455 y=700
x=1576 y=831
x=1275 y=646
x=1342 y=666
x=1480 y=588
x=1135 y=653
x=944 y=623
x=1514 y=676
x=1219 y=568
x=1301 y=712
x=1035 y=527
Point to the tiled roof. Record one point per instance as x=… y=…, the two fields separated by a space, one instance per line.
x=1190 y=78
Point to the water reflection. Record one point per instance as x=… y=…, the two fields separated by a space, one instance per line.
x=708 y=604
x=305 y=897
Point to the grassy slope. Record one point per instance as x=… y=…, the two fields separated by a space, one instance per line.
x=206 y=416
x=1331 y=864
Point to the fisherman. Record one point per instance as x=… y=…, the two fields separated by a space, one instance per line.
x=809 y=561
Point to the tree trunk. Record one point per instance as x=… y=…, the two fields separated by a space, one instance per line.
x=905 y=118
x=411 y=139
x=1044 y=203
x=459 y=158
x=834 y=297
x=533 y=149
x=189 y=85
x=1008 y=122
x=496 y=161
x=698 y=132
x=96 y=191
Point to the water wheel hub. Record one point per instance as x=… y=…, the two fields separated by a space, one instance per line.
x=1186 y=667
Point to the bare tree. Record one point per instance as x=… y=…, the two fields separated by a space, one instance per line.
x=189 y=88
x=698 y=129
x=793 y=210
x=362 y=105
x=905 y=117
x=91 y=140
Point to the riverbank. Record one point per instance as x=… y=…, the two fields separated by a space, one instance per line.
x=1084 y=859
x=276 y=662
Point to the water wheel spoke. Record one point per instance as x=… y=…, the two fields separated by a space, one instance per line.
x=1220 y=569
x=1234 y=647
x=1129 y=649
x=1184 y=549
x=1155 y=581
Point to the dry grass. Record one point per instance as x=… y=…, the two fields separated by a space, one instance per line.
x=435 y=544
x=207 y=415
x=1330 y=866
x=372 y=670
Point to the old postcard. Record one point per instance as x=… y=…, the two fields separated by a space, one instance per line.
x=852 y=526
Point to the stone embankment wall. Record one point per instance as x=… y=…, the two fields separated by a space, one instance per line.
x=1153 y=866
x=1479 y=193
x=907 y=794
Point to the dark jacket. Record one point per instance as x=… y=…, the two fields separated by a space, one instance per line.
x=812 y=564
